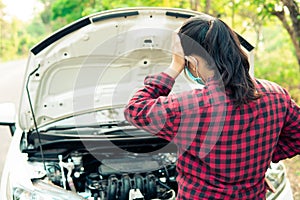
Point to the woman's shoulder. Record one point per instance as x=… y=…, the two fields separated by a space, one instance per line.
x=267 y=86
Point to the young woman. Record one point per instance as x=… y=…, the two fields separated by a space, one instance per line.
x=228 y=132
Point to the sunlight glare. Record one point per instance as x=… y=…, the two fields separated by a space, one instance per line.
x=22 y=9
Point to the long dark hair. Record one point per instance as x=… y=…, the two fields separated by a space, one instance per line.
x=223 y=47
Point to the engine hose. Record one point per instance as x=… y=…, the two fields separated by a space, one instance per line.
x=151 y=186
x=164 y=185
x=95 y=196
x=167 y=173
x=125 y=187
x=112 y=188
x=139 y=183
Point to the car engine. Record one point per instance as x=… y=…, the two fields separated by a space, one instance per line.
x=123 y=176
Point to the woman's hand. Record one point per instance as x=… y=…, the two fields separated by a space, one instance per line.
x=177 y=64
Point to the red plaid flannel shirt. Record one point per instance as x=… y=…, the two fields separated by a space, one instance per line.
x=223 y=151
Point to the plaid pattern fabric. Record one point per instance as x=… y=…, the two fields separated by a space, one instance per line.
x=223 y=151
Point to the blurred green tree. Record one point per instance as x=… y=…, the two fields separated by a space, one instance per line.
x=3 y=26
x=287 y=11
x=65 y=11
x=8 y=34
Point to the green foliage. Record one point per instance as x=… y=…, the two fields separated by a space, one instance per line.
x=19 y=37
x=70 y=10
x=10 y=40
x=276 y=61
x=65 y=11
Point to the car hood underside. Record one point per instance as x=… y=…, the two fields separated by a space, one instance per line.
x=98 y=61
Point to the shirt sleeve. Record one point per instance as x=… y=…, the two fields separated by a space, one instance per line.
x=153 y=109
x=289 y=140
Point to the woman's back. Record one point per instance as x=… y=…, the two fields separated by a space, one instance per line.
x=228 y=132
x=223 y=150
x=231 y=163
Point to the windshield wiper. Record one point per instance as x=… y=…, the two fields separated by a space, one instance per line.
x=69 y=131
x=100 y=125
x=118 y=130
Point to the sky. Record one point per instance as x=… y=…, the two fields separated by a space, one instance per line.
x=22 y=9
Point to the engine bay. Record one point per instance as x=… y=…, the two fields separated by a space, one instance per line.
x=116 y=177
x=128 y=168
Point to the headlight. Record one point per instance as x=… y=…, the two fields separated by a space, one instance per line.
x=43 y=191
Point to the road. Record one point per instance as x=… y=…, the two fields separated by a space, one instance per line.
x=11 y=80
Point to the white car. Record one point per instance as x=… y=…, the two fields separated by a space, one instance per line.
x=70 y=139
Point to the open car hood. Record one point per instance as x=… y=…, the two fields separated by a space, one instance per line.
x=99 y=60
